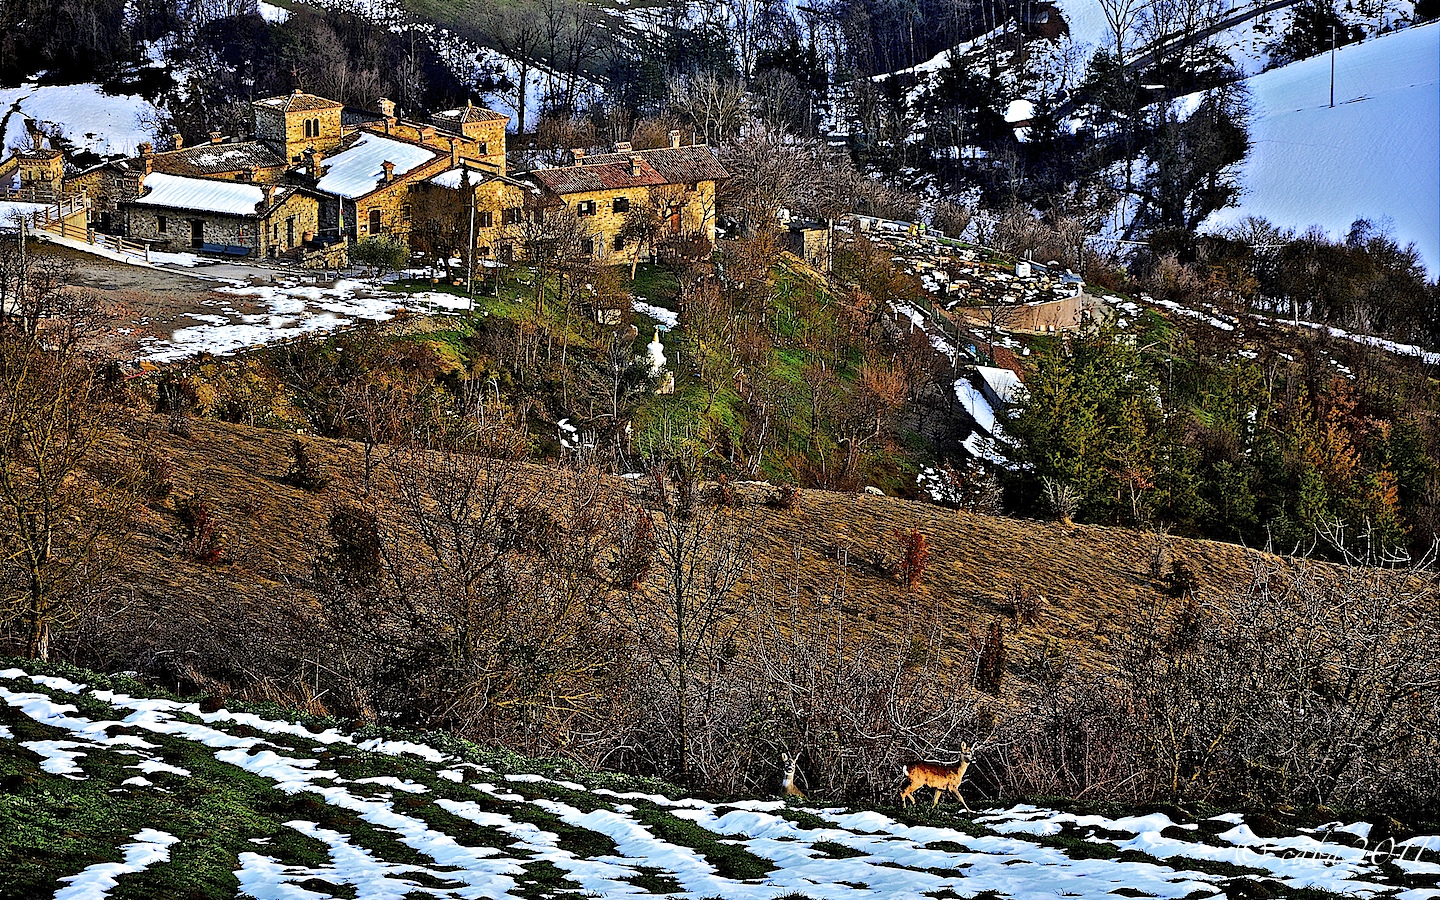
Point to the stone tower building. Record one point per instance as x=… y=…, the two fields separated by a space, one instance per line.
x=297 y=122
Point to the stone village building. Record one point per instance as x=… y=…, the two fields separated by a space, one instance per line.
x=317 y=173
x=176 y=212
x=678 y=181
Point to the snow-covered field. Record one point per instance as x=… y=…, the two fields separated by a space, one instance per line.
x=438 y=826
x=277 y=312
x=1375 y=155
x=91 y=118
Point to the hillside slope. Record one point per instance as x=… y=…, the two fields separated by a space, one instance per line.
x=1373 y=155
x=111 y=791
x=1091 y=578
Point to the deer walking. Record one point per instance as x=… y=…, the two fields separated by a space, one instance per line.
x=788 y=766
x=940 y=778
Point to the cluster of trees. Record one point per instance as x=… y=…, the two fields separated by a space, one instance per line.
x=1271 y=452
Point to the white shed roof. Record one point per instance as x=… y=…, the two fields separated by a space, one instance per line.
x=358 y=171
x=1005 y=383
x=200 y=194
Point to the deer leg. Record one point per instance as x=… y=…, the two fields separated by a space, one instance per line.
x=905 y=798
x=937 y=799
x=961 y=798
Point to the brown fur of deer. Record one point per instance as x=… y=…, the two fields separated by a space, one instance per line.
x=788 y=766
x=941 y=779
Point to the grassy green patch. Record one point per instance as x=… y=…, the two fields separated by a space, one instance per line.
x=729 y=860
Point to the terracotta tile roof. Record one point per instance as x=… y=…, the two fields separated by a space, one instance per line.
x=605 y=176
x=212 y=159
x=677 y=165
x=608 y=171
x=298 y=101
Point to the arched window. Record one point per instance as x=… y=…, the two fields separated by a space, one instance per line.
x=307 y=129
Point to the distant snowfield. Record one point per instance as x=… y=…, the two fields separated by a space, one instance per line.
x=878 y=856
x=91 y=118
x=1375 y=155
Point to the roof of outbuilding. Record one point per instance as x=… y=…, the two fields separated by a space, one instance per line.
x=200 y=194
x=298 y=101
x=214 y=159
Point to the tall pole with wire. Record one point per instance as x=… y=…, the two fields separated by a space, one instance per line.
x=470 y=251
x=1332 y=66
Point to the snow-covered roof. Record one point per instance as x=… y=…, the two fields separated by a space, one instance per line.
x=1020 y=111
x=976 y=405
x=453 y=178
x=1004 y=383
x=357 y=171
x=200 y=194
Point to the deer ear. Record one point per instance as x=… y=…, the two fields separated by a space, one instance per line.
x=784 y=757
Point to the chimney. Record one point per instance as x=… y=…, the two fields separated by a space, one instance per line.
x=387 y=112
x=216 y=137
x=675 y=139
x=179 y=141
x=454 y=152
x=635 y=161
x=37 y=137
x=579 y=154
x=147 y=165
x=427 y=133
x=269 y=196
x=389 y=168
x=145 y=148
x=622 y=146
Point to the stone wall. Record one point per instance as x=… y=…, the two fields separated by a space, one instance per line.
x=277 y=231
x=144 y=225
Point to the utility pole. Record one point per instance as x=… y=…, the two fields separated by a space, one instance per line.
x=470 y=250
x=1332 y=66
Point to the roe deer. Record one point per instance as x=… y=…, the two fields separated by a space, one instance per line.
x=941 y=778
x=788 y=765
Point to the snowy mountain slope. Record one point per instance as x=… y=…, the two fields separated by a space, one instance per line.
x=91 y=118
x=106 y=791
x=1376 y=154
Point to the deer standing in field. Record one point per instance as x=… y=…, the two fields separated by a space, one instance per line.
x=940 y=778
x=788 y=767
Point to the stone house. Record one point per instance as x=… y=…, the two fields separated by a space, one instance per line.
x=367 y=184
x=677 y=183
x=811 y=241
x=291 y=124
x=500 y=206
x=176 y=212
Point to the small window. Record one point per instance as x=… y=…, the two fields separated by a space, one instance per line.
x=620 y=205
x=511 y=216
x=587 y=247
x=585 y=208
x=485 y=219
x=619 y=243
x=691 y=186
x=161 y=225
x=483 y=149
x=374 y=221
